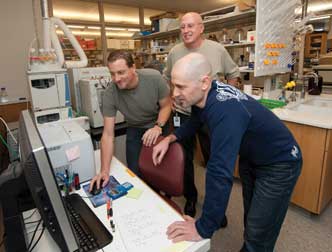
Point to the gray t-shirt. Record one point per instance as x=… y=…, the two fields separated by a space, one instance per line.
x=217 y=55
x=139 y=105
x=220 y=60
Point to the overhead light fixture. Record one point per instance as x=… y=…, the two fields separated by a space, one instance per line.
x=115 y=29
x=83 y=33
x=134 y=29
x=76 y=26
x=319 y=18
x=94 y=27
x=119 y=34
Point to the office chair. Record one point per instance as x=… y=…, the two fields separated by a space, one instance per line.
x=167 y=177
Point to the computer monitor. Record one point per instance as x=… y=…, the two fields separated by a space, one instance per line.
x=41 y=181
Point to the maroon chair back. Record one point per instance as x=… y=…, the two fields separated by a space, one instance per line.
x=168 y=175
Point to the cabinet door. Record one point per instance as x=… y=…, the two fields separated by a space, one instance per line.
x=312 y=142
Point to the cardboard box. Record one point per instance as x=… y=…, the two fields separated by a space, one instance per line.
x=251 y=36
x=244 y=5
x=164 y=23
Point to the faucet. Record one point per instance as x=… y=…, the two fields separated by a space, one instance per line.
x=316 y=79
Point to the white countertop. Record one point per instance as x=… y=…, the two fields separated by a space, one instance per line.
x=308 y=111
x=13 y=100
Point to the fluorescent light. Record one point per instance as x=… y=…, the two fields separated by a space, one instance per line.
x=119 y=34
x=75 y=15
x=115 y=29
x=87 y=33
x=134 y=29
x=319 y=18
x=76 y=26
x=94 y=27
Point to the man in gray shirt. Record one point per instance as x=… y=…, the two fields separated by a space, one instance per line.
x=191 y=32
x=142 y=96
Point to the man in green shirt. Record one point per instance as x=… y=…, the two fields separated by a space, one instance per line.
x=142 y=96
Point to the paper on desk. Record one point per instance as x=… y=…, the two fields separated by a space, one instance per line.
x=134 y=193
x=176 y=247
x=144 y=229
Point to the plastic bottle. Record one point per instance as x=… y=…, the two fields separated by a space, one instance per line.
x=54 y=58
x=34 y=59
x=42 y=56
x=3 y=95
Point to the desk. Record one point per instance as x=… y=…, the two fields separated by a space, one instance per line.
x=149 y=201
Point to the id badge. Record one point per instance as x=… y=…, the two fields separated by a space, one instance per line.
x=176 y=120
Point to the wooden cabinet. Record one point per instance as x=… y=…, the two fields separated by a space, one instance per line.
x=315 y=43
x=313 y=190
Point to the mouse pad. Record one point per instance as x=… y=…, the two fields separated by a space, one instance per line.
x=113 y=189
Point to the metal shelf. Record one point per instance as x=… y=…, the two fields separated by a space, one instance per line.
x=239 y=44
x=230 y=19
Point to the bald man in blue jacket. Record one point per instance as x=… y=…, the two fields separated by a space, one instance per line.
x=270 y=158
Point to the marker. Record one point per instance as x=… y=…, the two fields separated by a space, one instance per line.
x=112 y=225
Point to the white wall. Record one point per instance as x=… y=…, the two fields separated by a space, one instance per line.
x=16 y=32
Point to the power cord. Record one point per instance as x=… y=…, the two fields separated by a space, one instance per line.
x=8 y=129
x=34 y=234
x=40 y=236
x=31 y=215
x=8 y=147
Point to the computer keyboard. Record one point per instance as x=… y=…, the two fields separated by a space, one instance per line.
x=90 y=232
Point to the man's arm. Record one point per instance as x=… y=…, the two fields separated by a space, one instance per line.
x=151 y=135
x=106 y=152
x=165 y=110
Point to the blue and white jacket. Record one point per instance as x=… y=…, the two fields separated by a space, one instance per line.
x=238 y=124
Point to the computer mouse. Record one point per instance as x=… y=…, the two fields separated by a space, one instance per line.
x=96 y=191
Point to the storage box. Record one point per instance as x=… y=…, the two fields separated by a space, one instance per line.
x=164 y=23
x=251 y=36
x=244 y=5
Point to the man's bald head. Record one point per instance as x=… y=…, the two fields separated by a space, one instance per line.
x=191 y=80
x=191 y=28
x=193 y=16
x=191 y=67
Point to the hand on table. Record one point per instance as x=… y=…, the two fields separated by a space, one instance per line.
x=183 y=230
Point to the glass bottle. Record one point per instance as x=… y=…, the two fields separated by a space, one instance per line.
x=239 y=36
x=3 y=95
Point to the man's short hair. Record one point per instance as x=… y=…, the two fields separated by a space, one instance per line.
x=121 y=54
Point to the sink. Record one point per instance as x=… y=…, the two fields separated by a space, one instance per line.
x=319 y=102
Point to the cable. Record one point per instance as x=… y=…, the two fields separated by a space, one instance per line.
x=34 y=234
x=8 y=129
x=8 y=147
x=31 y=222
x=31 y=215
x=40 y=236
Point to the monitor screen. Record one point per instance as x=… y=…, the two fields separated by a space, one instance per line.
x=40 y=178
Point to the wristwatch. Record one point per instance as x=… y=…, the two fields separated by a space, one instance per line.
x=159 y=124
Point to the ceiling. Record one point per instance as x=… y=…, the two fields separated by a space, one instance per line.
x=176 y=5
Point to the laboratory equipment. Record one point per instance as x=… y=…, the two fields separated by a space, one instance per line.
x=92 y=91
x=49 y=90
x=76 y=74
x=69 y=148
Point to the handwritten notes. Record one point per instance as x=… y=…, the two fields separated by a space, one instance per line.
x=144 y=229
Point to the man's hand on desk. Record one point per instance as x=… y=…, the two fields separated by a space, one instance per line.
x=183 y=230
x=151 y=135
x=101 y=176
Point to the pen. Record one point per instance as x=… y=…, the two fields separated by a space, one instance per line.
x=109 y=210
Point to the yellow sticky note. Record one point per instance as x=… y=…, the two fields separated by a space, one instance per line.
x=176 y=247
x=134 y=193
